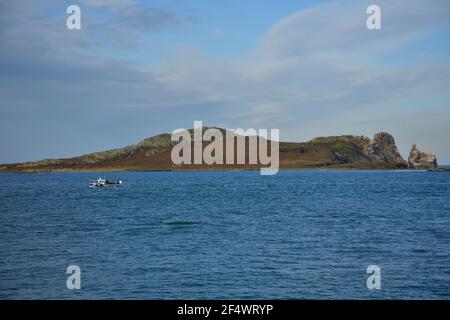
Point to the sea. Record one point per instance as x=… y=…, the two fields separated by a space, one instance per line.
x=300 y=234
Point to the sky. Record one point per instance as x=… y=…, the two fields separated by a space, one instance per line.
x=140 y=68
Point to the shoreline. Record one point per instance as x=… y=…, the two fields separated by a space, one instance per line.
x=218 y=170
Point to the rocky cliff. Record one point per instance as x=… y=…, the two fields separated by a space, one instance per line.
x=421 y=160
x=383 y=149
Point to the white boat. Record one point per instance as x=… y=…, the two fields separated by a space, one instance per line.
x=102 y=182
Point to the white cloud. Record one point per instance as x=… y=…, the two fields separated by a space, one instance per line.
x=323 y=57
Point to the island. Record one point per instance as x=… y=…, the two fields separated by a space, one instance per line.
x=154 y=154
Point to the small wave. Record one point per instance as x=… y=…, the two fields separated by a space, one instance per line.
x=180 y=222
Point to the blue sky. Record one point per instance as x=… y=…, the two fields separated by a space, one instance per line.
x=139 y=68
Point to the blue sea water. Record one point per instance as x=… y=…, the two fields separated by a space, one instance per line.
x=226 y=235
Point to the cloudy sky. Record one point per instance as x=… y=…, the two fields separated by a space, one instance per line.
x=139 y=68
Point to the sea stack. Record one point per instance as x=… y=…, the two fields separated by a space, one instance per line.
x=421 y=160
